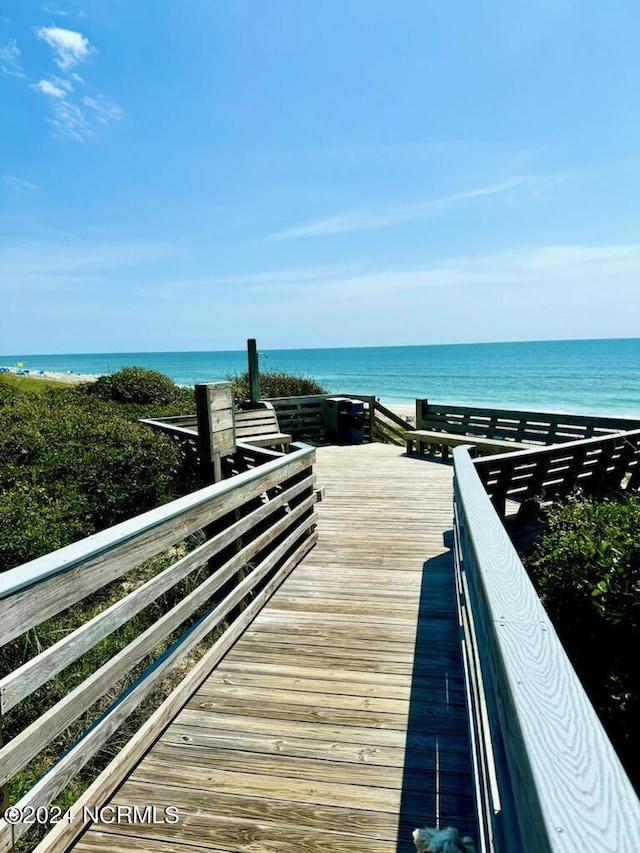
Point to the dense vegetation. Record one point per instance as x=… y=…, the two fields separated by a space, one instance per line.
x=138 y=386
x=73 y=463
x=75 y=460
x=586 y=567
x=275 y=384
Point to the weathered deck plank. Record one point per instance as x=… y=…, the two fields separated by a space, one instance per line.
x=338 y=719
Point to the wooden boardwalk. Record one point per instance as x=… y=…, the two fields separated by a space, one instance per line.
x=337 y=722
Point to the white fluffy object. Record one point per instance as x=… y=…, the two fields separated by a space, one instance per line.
x=442 y=841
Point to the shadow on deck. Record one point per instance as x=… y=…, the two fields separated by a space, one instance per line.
x=437 y=782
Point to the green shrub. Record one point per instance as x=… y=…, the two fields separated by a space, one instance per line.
x=34 y=523
x=275 y=384
x=8 y=393
x=589 y=559
x=586 y=567
x=136 y=385
x=72 y=465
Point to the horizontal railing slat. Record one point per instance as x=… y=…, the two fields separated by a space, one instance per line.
x=73 y=761
x=64 y=832
x=524 y=426
x=23 y=681
x=181 y=428
x=593 y=464
x=21 y=749
x=34 y=592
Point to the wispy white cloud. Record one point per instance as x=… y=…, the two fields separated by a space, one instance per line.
x=47 y=87
x=525 y=273
x=102 y=109
x=78 y=121
x=73 y=118
x=69 y=47
x=70 y=121
x=383 y=217
x=17 y=185
x=530 y=268
x=50 y=9
x=42 y=267
x=267 y=282
x=10 y=59
x=287 y=275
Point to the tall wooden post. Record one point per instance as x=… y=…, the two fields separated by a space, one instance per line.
x=372 y=418
x=254 y=371
x=421 y=406
x=216 y=430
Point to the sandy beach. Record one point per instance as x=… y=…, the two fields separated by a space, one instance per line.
x=403 y=410
x=69 y=378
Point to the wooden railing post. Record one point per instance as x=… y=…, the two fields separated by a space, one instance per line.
x=254 y=371
x=372 y=418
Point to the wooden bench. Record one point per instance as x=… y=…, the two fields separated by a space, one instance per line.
x=445 y=440
x=260 y=427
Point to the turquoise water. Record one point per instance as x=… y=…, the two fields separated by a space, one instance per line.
x=595 y=376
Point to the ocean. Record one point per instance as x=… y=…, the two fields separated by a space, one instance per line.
x=587 y=377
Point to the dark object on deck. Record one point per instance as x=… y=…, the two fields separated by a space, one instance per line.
x=345 y=420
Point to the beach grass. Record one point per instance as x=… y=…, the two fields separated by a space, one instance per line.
x=29 y=384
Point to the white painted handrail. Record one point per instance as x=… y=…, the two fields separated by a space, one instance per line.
x=559 y=777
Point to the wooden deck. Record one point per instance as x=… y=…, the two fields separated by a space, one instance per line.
x=337 y=722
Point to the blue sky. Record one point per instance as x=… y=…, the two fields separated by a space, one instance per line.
x=184 y=174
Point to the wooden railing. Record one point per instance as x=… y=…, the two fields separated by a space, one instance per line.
x=529 y=427
x=304 y=417
x=253 y=529
x=547 y=776
x=176 y=425
x=594 y=465
x=184 y=431
x=388 y=426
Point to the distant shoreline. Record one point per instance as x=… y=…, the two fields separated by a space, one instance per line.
x=406 y=411
x=598 y=377
x=68 y=378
